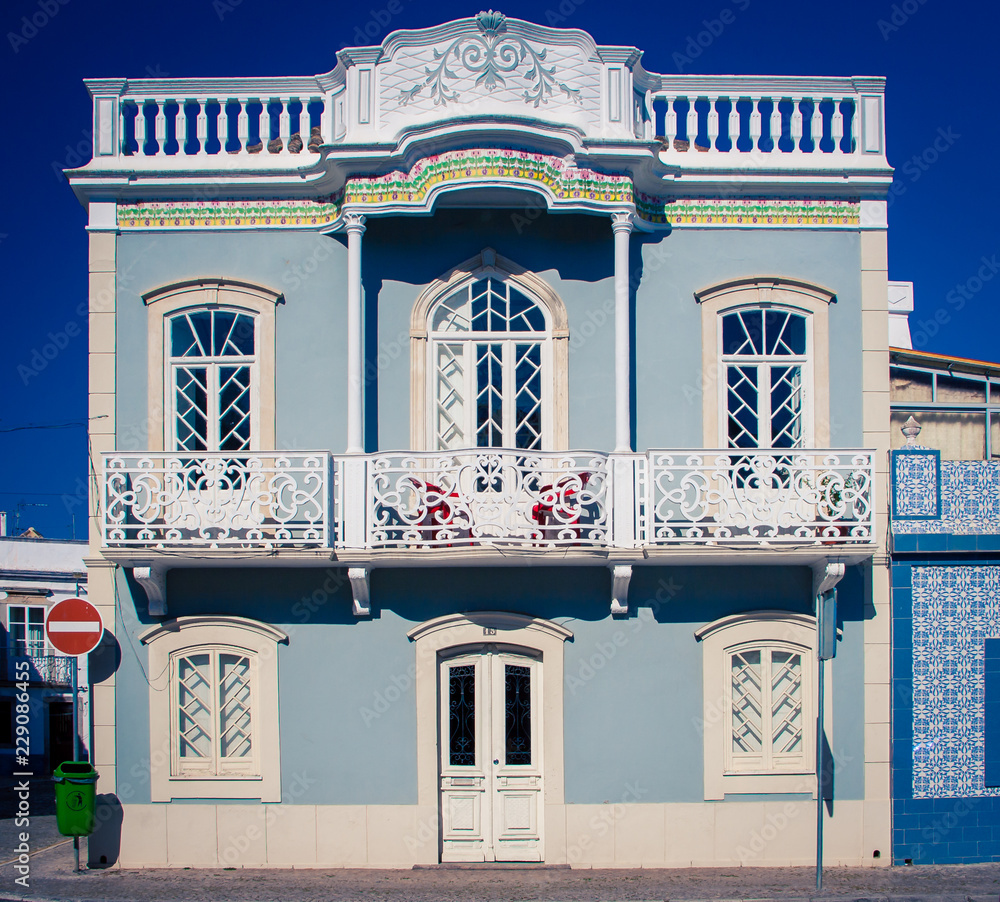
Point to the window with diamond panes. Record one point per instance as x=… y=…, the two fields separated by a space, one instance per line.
x=764 y=359
x=214 y=718
x=766 y=724
x=489 y=346
x=213 y=366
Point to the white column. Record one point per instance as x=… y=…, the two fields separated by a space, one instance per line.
x=355 y=223
x=621 y=223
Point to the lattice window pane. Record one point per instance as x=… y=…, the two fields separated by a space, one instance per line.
x=234 y=408
x=528 y=397
x=195 y=731
x=786 y=703
x=235 y=728
x=747 y=703
x=785 y=333
x=190 y=408
x=453 y=314
x=743 y=333
x=462 y=715
x=517 y=714
x=449 y=393
x=742 y=394
x=489 y=396
x=786 y=407
x=525 y=314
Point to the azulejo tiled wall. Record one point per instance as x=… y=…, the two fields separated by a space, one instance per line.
x=960 y=497
x=955 y=608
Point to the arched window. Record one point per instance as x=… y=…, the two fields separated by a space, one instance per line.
x=213 y=379
x=489 y=357
x=765 y=353
x=765 y=357
x=759 y=673
x=211 y=366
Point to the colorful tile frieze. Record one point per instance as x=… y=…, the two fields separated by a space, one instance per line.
x=231 y=213
x=569 y=187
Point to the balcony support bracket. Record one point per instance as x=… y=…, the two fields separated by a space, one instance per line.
x=153 y=580
x=621 y=575
x=826 y=575
x=359 y=577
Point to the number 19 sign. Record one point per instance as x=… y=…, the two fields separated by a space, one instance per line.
x=74 y=626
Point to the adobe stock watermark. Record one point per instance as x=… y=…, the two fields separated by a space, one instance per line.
x=698 y=43
x=899 y=15
x=919 y=163
x=47 y=10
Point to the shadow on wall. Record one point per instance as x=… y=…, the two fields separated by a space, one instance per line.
x=104 y=844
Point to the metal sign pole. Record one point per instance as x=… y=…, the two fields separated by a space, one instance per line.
x=76 y=747
x=819 y=776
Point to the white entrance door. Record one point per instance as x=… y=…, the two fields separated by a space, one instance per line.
x=491 y=769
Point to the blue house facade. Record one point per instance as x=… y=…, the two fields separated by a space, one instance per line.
x=945 y=592
x=479 y=422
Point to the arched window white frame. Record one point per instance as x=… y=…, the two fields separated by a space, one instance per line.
x=213 y=709
x=759 y=727
x=209 y=388
x=767 y=365
x=213 y=378
x=765 y=356
x=489 y=356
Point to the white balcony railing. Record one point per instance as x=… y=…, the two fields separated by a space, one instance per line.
x=51 y=670
x=704 y=120
x=573 y=500
x=759 y=498
x=488 y=497
x=210 y=500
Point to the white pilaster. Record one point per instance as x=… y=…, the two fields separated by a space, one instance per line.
x=621 y=224
x=355 y=224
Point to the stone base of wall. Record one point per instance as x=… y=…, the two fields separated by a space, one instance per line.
x=779 y=833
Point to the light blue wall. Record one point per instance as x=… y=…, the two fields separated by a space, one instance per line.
x=632 y=688
x=668 y=365
x=572 y=253
x=311 y=346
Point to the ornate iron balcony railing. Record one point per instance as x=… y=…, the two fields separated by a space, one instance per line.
x=475 y=498
x=260 y=500
x=50 y=670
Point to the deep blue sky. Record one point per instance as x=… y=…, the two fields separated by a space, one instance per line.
x=939 y=58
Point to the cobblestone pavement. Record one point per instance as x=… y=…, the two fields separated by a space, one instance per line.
x=52 y=878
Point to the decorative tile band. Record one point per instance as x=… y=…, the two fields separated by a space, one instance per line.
x=954 y=610
x=566 y=186
x=969 y=497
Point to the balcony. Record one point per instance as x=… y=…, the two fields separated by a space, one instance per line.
x=45 y=670
x=445 y=506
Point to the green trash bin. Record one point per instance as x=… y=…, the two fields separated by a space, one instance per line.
x=76 y=797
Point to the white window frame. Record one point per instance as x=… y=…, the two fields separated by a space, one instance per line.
x=766 y=630
x=795 y=296
x=210 y=294
x=212 y=365
x=168 y=642
x=45 y=649
x=215 y=765
x=764 y=363
x=555 y=350
x=470 y=343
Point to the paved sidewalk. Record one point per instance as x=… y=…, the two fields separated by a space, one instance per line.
x=52 y=878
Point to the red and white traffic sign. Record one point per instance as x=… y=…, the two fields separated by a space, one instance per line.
x=74 y=626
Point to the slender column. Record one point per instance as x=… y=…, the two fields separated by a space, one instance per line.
x=621 y=223
x=355 y=436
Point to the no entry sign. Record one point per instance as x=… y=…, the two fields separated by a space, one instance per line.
x=74 y=626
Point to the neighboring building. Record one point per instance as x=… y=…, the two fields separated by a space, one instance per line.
x=502 y=540
x=36 y=573
x=946 y=608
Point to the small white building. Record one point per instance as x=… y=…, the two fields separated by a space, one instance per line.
x=35 y=574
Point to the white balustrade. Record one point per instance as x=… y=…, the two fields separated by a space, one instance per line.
x=253 y=500
x=738 y=498
x=485 y=497
x=805 y=117
x=232 y=112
